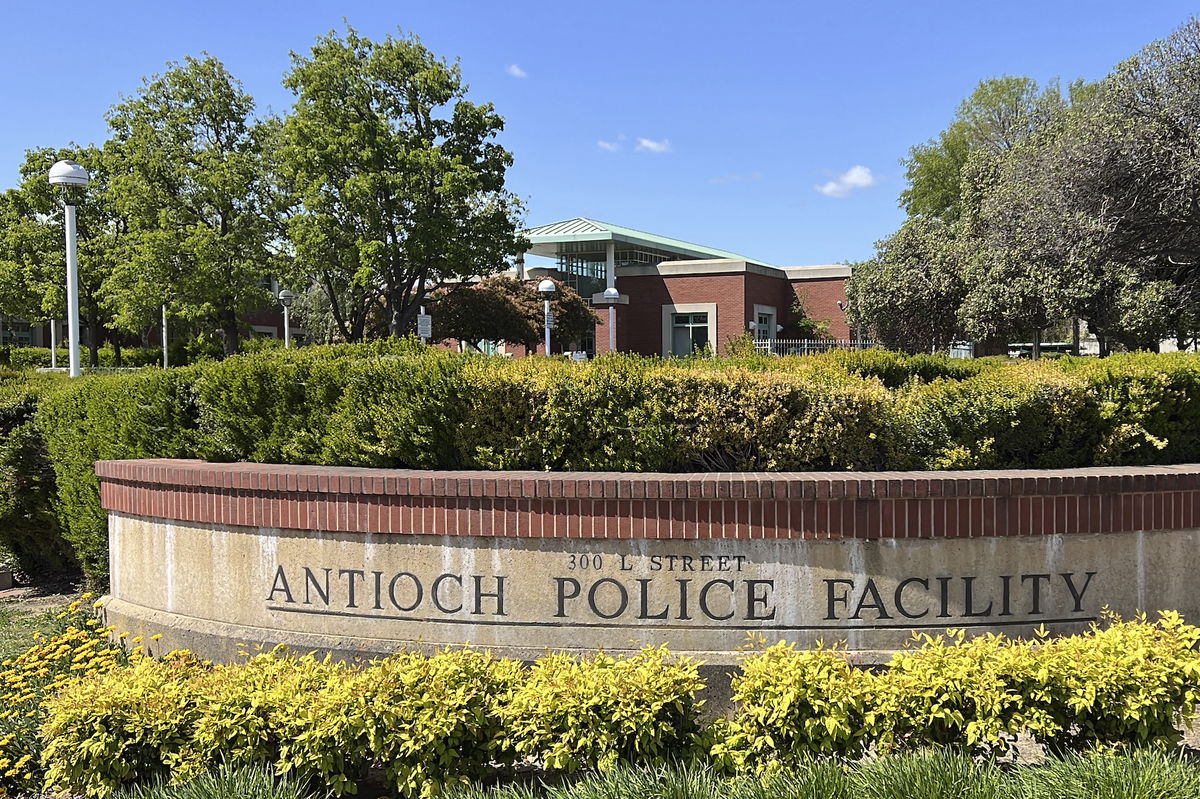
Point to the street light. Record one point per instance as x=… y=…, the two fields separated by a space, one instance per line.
x=286 y=299
x=66 y=174
x=547 y=289
x=611 y=295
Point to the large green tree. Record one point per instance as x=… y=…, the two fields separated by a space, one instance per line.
x=188 y=171
x=948 y=272
x=909 y=294
x=32 y=253
x=397 y=179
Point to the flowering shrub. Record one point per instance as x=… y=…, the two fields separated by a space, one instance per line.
x=79 y=646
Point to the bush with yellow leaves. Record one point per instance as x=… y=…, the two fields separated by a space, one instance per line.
x=795 y=704
x=1132 y=683
x=78 y=646
x=428 y=721
x=592 y=712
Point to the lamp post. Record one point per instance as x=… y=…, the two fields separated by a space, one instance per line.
x=547 y=289
x=66 y=174
x=286 y=298
x=611 y=295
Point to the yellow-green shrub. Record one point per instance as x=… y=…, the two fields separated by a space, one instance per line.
x=1004 y=418
x=429 y=721
x=794 y=704
x=951 y=691
x=592 y=712
x=1128 y=683
x=240 y=706
x=122 y=725
x=80 y=646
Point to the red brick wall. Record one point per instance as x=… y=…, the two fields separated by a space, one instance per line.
x=863 y=505
x=642 y=318
x=764 y=290
x=820 y=298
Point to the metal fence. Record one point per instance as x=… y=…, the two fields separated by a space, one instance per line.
x=809 y=346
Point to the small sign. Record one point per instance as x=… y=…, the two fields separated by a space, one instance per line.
x=424 y=325
x=550 y=320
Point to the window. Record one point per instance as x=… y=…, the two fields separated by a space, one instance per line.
x=765 y=326
x=764 y=322
x=689 y=332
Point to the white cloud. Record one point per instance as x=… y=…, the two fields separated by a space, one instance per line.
x=608 y=146
x=738 y=177
x=856 y=177
x=652 y=146
x=515 y=71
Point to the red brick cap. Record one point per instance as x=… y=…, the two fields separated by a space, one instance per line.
x=657 y=505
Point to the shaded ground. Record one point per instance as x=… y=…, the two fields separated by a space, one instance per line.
x=29 y=609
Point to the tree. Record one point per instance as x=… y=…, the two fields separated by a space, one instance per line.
x=998 y=114
x=189 y=173
x=25 y=245
x=504 y=309
x=396 y=177
x=909 y=294
x=1106 y=202
x=491 y=310
x=947 y=271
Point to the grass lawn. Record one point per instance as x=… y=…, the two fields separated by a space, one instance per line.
x=21 y=617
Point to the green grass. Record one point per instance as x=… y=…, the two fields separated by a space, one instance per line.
x=18 y=624
x=224 y=783
x=930 y=774
x=1140 y=775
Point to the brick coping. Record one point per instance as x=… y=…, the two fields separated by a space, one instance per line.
x=816 y=505
x=650 y=485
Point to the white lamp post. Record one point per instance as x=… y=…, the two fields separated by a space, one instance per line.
x=547 y=289
x=67 y=174
x=611 y=295
x=286 y=298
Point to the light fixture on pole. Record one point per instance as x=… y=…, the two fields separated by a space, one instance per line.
x=67 y=174
x=547 y=289
x=286 y=299
x=611 y=295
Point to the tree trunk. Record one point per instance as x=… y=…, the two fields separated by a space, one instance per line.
x=1102 y=341
x=1075 y=336
x=117 y=360
x=93 y=342
x=1037 y=345
x=229 y=330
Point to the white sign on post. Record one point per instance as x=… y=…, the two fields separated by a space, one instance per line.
x=424 y=325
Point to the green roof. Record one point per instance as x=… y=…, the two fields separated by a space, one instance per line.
x=544 y=240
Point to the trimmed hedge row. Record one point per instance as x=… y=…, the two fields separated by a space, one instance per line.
x=462 y=715
x=398 y=404
x=39 y=357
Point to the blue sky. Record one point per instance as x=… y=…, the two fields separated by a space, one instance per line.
x=773 y=129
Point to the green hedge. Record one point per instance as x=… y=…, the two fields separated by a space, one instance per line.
x=398 y=404
x=430 y=722
x=39 y=357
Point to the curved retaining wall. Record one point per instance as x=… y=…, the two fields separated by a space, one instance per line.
x=366 y=560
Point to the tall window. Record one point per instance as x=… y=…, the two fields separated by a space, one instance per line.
x=689 y=332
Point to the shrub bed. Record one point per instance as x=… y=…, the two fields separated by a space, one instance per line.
x=433 y=722
x=398 y=404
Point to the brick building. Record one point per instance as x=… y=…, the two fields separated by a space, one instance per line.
x=676 y=296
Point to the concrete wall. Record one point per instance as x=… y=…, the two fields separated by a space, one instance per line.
x=366 y=561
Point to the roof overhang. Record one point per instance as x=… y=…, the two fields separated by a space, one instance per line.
x=544 y=239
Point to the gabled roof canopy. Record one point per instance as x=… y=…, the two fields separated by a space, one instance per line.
x=545 y=240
